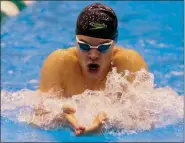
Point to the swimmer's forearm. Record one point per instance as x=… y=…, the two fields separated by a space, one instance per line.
x=45 y=114
x=57 y=112
x=44 y=111
x=70 y=118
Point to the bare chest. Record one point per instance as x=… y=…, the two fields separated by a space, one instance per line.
x=74 y=85
x=77 y=85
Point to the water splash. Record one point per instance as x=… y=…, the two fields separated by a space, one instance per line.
x=130 y=107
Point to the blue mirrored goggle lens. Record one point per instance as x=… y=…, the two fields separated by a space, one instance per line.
x=101 y=48
x=84 y=46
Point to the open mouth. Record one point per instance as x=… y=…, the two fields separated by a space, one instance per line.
x=93 y=67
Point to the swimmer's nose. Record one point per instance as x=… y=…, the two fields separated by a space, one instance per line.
x=93 y=54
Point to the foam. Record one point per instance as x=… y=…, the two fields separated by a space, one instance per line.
x=130 y=107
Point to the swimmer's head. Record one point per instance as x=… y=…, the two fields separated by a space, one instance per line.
x=98 y=21
x=96 y=34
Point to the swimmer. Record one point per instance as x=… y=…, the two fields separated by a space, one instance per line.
x=89 y=62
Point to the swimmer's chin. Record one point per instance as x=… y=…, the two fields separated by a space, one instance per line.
x=93 y=74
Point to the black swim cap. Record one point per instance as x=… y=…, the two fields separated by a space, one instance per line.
x=98 y=21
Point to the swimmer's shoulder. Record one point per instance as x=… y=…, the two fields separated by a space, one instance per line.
x=128 y=59
x=61 y=59
x=56 y=68
x=123 y=52
x=63 y=53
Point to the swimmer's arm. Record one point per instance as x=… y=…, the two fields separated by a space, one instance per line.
x=52 y=75
x=51 y=80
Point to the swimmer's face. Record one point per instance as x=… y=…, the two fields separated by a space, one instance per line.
x=94 y=63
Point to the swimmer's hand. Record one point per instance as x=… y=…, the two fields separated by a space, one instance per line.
x=71 y=119
x=96 y=125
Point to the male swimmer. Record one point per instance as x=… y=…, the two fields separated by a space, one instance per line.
x=89 y=62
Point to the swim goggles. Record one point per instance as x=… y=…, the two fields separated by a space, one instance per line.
x=101 y=48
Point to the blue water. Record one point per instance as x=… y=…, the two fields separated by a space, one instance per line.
x=154 y=29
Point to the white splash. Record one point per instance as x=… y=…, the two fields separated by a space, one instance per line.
x=131 y=107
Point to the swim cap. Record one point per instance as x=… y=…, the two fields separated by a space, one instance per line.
x=98 y=21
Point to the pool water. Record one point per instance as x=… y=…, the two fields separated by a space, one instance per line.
x=154 y=29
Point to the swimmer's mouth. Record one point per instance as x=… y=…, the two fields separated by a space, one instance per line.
x=93 y=67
